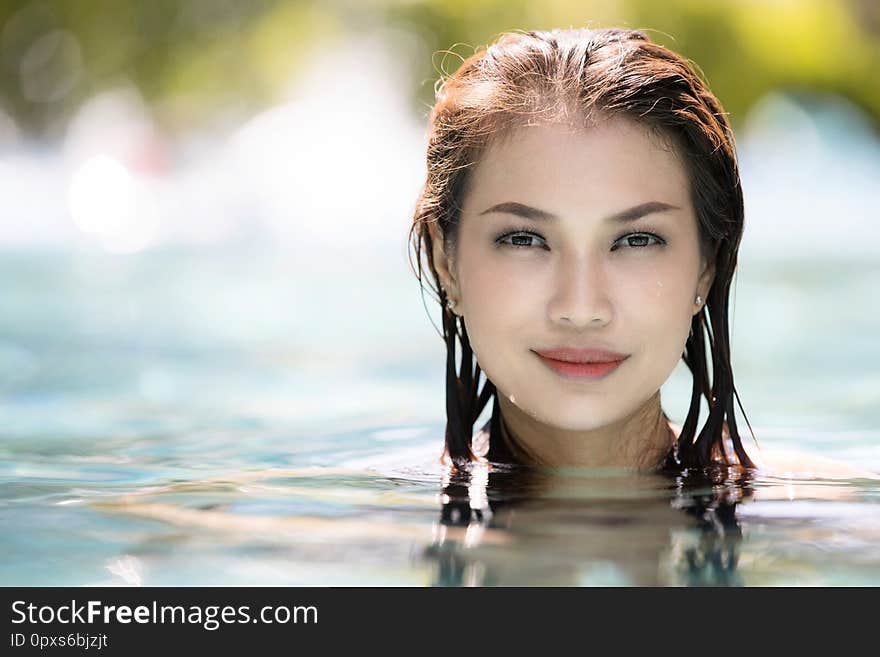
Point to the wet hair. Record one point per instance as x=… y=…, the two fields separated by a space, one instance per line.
x=583 y=75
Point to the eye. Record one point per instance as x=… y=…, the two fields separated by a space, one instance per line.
x=521 y=239
x=525 y=239
x=637 y=241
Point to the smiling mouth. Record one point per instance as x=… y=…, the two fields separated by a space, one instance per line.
x=585 y=371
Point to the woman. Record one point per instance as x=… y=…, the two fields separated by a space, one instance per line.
x=581 y=220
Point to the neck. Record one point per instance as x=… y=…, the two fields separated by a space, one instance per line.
x=640 y=441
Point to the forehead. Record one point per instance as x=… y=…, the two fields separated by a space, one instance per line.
x=609 y=165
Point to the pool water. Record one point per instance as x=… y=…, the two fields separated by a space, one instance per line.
x=374 y=508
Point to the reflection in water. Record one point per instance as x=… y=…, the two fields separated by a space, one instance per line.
x=318 y=525
x=589 y=528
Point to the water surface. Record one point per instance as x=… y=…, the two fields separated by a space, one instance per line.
x=374 y=507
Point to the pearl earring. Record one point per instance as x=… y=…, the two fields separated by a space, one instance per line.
x=450 y=303
x=699 y=300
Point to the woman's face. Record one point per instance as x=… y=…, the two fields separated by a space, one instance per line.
x=580 y=269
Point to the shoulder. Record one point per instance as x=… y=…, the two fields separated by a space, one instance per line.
x=480 y=442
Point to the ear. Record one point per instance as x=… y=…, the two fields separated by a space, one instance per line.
x=444 y=265
x=704 y=283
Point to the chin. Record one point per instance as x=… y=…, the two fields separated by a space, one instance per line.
x=591 y=423
x=578 y=418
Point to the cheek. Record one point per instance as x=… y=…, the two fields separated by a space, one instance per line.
x=501 y=303
x=657 y=301
x=498 y=289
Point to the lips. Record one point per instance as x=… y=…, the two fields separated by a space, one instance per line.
x=579 y=363
x=577 y=355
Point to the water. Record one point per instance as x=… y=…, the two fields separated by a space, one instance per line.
x=235 y=507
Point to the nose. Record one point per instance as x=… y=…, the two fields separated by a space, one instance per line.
x=580 y=294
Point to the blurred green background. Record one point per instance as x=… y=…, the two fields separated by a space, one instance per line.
x=202 y=61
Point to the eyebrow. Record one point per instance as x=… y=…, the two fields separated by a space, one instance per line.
x=631 y=214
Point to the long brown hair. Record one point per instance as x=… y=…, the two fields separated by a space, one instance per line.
x=534 y=76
